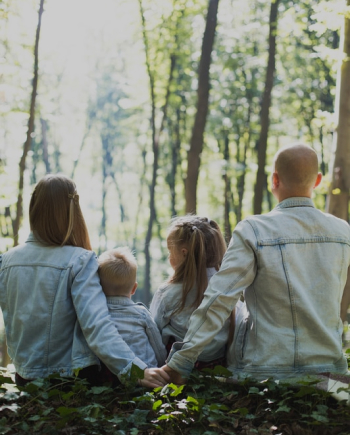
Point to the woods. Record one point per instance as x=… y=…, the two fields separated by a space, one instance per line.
x=157 y=109
x=161 y=108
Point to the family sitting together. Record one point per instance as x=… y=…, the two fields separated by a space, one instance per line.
x=269 y=305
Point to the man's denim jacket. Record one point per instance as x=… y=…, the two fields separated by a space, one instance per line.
x=292 y=266
x=55 y=312
x=138 y=329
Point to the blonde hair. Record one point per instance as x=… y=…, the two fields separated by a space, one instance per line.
x=117 y=269
x=205 y=247
x=54 y=213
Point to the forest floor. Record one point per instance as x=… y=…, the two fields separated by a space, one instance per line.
x=208 y=404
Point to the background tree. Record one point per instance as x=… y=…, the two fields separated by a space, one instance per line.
x=338 y=197
x=194 y=154
x=261 y=182
x=27 y=144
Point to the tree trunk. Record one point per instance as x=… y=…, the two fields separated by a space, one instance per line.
x=26 y=147
x=338 y=196
x=45 y=145
x=227 y=187
x=196 y=145
x=265 y=110
x=155 y=148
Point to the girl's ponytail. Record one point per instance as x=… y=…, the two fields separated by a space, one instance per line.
x=205 y=247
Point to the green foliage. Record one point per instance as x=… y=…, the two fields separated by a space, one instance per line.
x=206 y=405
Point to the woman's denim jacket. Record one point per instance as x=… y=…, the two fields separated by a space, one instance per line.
x=175 y=324
x=292 y=266
x=55 y=312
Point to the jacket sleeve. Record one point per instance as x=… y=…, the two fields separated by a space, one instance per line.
x=95 y=321
x=237 y=271
x=155 y=340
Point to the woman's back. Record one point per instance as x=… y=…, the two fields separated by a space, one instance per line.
x=39 y=301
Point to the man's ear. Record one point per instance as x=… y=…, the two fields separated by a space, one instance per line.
x=318 y=180
x=134 y=288
x=275 y=180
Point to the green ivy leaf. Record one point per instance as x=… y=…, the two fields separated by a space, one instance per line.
x=254 y=390
x=283 y=409
x=97 y=390
x=177 y=390
x=136 y=373
x=66 y=411
x=138 y=417
x=157 y=404
x=318 y=417
x=4 y=379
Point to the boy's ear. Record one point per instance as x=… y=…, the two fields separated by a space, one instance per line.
x=134 y=288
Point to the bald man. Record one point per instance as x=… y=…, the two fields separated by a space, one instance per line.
x=291 y=265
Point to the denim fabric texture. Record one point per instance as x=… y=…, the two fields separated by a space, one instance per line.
x=55 y=312
x=138 y=329
x=291 y=264
x=165 y=302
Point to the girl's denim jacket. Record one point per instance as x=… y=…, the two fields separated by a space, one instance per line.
x=292 y=266
x=55 y=312
x=175 y=324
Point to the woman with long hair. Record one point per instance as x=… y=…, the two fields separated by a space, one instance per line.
x=55 y=312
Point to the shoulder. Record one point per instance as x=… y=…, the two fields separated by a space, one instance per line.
x=168 y=291
x=141 y=310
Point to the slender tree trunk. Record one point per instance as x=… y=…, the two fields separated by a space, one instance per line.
x=45 y=145
x=26 y=147
x=338 y=196
x=175 y=144
x=196 y=145
x=155 y=148
x=105 y=168
x=265 y=110
x=228 y=190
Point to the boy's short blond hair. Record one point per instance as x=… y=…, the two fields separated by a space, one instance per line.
x=117 y=269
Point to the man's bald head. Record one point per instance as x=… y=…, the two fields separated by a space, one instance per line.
x=297 y=168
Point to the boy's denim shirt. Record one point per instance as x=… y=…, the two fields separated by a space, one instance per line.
x=138 y=329
x=55 y=312
x=292 y=265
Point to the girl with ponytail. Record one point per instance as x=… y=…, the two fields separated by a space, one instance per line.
x=196 y=248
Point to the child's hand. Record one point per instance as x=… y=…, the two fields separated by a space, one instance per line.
x=154 y=378
x=174 y=375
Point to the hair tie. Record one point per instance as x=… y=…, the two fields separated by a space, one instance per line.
x=74 y=197
x=194 y=228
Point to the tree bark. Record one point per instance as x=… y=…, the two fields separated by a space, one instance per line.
x=265 y=110
x=196 y=145
x=338 y=196
x=26 y=146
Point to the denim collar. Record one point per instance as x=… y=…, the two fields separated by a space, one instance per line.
x=295 y=202
x=120 y=299
x=31 y=237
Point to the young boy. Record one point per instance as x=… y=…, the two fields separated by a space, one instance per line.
x=117 y=269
